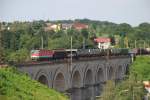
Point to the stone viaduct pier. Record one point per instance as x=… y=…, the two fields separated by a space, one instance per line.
x=83 y=79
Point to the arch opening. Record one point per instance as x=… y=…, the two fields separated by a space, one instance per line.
x=127 y=69
x=59 y=82
x=76 y=80
x=88 y=84
x=119 y=72
x=43 y=80
x=88 y=78
x=100 y=76
x=111 y=74
x=99 y=80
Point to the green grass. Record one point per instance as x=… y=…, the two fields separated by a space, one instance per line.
x=141 y=67
x=17 y=86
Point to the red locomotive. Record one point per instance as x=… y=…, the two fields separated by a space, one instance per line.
x=41 y=54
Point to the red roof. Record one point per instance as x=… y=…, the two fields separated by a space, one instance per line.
x=80 y=26
x=102 y=39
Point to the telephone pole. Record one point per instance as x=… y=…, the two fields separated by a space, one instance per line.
x=71 y=56
x=144 y=45
x=135 y=44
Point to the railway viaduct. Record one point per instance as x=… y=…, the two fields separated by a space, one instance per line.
x=82 y=79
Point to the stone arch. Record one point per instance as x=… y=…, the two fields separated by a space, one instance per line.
x=88 y=80
x=127 y=69
x=76 y=79
x=110 y=72
x=119 y=72
x=43 y=80
x=42 y=77
x=100 y=76
x=76 y=83
x=59 y=82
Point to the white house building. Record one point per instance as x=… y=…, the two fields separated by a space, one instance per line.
x=103 y=42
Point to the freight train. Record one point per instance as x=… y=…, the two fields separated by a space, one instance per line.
x=48 y=55
x=141 y=51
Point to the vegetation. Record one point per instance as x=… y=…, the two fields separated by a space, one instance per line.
x=141 y=68
x=18 y=38
x=132 y=87
x=17 y=86
x=108 y=91
x=31 y=35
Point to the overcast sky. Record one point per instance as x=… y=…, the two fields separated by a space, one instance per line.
x=118 y=11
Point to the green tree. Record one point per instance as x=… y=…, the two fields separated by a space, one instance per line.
x=38 y=28
x=19 y=56
x=61 y=42
x=1 y=47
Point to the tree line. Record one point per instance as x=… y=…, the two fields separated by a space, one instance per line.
x=18 y=38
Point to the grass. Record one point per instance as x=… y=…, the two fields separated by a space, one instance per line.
x=17 y=86
x=141 y=68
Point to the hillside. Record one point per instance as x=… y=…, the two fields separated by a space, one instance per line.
x=17 y=86
x=141 y=68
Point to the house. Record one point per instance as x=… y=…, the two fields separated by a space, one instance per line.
x=79 y=26
x=66 y=26
x=103 y=42
x=54 y=27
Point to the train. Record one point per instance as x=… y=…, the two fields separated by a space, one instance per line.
x=141 y=51
x=48 y=55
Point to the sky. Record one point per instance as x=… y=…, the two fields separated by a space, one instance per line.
x=132 y=12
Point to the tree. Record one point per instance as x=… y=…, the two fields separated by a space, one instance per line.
x=26 y=42
x=145 y=27
x=85 y=33
x=129 y=90
x=124 y=28
x=38 y=27
x=1 y=47
x=18 y=56
x=57 y=43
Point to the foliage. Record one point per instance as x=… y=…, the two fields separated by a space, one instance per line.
x=61 y=42
x=129 y=90
x=141 y=68
x=17 y=86
x=31 y=35
x=18 y=56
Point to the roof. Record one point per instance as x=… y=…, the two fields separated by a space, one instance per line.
x=66 y=26
x=50 y=26
x=80 y=26
x=102 y=39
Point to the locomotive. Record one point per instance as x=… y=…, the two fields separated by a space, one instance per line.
x=48 y=55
